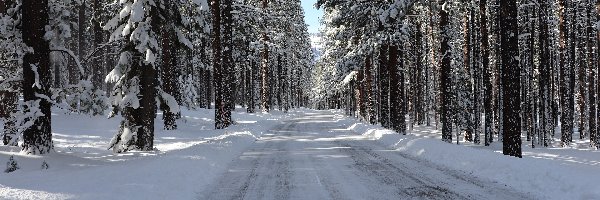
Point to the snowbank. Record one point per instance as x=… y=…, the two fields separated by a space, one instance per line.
x=185 y=160
x=552 y=173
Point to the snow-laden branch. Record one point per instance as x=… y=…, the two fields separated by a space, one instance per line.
x=70 y=53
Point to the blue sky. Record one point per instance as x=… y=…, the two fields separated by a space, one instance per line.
x=311 y=15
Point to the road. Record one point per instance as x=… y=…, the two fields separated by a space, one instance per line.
x=315 y=157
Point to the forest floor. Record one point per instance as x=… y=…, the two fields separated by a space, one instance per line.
x=303 y=154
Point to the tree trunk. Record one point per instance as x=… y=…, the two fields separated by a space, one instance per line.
x=227 y=72
x=169 y=77
x=478 y=78
x=279 y=83
x=97 y=72
x=566 y=118
x=220 y=107
x=37 y=139
x=397 y=111
x=592 y=87
x=467 y=65
x=487 y=75
x=265 y=97
x=81 y=33
x=369 y=90
x=546 y=110
x=384 y=117
x=445 y=78
x=511 y=88
x=361 y=95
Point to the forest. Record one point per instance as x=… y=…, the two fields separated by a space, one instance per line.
x=244 y=99
x=136 y=57
x=481 y=71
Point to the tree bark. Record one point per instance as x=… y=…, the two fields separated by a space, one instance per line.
x=81 y=33
x=266 y=96
x=369 y=90
x=384 y=117
x=511 y=88
x=169 y=77
x=228 y=72
x=592 y=87
x=37 y=139
x=445 y=79
x=546 y=110
x=220 y=107
x=467 y=63
x=98 y=71
x=397 y=111
x=566 y=91
x=279 y=83
x=487 y=75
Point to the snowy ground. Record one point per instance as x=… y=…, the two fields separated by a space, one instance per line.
x=82 y=168
x=304 y=154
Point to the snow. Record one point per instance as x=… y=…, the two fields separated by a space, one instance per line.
x=125 y=11
x=190 y=159
x=36 y=82
x=552 y=173
x=185 y=162
x=150 y=58
x=131 y=95
x=171 y=102
x=349 y=77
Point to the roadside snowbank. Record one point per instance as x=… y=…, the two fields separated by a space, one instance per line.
x=553 y=173
x=184 y=162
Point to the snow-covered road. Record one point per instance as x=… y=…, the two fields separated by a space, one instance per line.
x=314 y=157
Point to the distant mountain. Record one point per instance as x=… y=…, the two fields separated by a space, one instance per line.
x=316 y=44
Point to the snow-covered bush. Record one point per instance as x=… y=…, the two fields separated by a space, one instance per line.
x=11 y=165
x=189 y=94
x=45 y=165
x=81 y=98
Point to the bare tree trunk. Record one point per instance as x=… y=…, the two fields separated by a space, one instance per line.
x=97 y=71
x=279 y=83
x=511 y=88
x=169 y=77
x=565 y=74
x=265 y=97
x=37 y=139
x=592 y=87
x=220 y=107
x=384 y=117
x=467 y=65
x=361 y=95
x=445 y=78
x=487 y=75
x=397 y=111
x=81 y=32
x=369 y=90
x=227 y=71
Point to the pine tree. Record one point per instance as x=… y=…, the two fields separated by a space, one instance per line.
x=8 y=93
x=135 y=76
